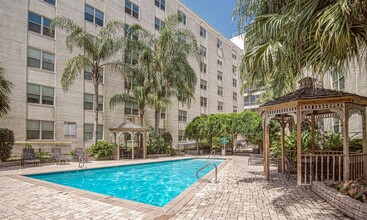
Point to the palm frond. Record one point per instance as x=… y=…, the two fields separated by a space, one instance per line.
x=73 y=67
x=5 y=90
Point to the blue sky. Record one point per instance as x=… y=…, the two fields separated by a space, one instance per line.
x=218 y=13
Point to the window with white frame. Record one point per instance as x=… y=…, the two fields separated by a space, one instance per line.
x=69 y=129
x=203 y=84
x=181 y=135
x=40 y=24
x=127 y=31
x=131 y=9
x=93 y=15
x=40 y=94
x=234 y=82
x=336 y=125
x=161 y=4
x=220 y=91
x=42 y=130
x=202 y=32
x=202 y=51
x=219 y=61
x=131 y=108
x=220 y=76
x=51 y=2
x=88 y=75
x=203 y=102
x=202 y=67
x=234 y=56
x=88 y=132
x=182 y=17
x=182 y=116
x=234 y=109
x=40 y=59
x=234 y=96
x=219 y=44
x=338 y=80
x=158 y=24
x=220 y=106
x=88 y=102
x=251 y=99
x=234 y=69
x=163 y=114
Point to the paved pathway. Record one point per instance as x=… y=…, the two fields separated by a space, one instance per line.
x=240 y=194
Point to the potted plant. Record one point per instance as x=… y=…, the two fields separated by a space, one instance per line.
x=72 y=155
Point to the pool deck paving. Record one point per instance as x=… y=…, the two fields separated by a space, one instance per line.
x=241 y=193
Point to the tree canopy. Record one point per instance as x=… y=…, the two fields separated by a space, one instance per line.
x=5 y=90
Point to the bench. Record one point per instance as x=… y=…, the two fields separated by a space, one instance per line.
x=255 y=158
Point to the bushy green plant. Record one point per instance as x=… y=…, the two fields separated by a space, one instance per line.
x=333 y=142
x=101 y=149
x=290 y=143
x=160 y=143
x=356 y=189
x=6 y=143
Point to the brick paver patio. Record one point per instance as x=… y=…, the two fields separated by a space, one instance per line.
x=240 y=194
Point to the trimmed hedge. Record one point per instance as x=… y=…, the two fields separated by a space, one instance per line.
x=6 y=143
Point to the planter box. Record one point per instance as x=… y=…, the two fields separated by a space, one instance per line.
x=349 y=206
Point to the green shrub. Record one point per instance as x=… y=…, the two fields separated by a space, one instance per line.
x=6 y=143
x=160 y=143
x=101 y=149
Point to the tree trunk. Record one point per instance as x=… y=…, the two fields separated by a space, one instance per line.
x=95 y=109
x=141 y=115
x=157 y=117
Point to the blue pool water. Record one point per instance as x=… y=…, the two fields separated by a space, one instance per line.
x=153 y=183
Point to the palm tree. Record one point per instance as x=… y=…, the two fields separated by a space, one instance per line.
x=5 y=90
x=97 y=50
x=164 y=57
x=286 y=37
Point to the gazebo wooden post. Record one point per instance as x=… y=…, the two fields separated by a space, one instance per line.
x=117 y=141
x=299 y=147
x=364 y=143
x=266 y=148
x=132 y=145
x=145 y=145
x=346 y=143
x=282 y=123
x=313 y=133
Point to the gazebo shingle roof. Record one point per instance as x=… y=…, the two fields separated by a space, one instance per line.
x=127 y=125
x=308 y=93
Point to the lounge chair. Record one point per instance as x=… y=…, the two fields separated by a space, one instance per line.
x=79 y=152
x=255 y=159
x=29 y=157
x=57 y=156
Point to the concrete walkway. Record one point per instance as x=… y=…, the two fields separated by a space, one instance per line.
x=240 y=194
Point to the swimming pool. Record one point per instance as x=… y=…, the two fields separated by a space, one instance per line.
x=151 y=183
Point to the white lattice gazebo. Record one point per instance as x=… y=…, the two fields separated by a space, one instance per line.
x=127 y=127
x=312 y=105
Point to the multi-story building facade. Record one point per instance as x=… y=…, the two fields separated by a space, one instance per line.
x=34 y=59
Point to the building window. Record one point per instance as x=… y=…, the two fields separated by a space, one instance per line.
x=131 y=9
x=338 y=81
x=40 y=94
x=202 y=32
x=234 y=109
x=202 y=51
x=220 y=76
x=203 y=84
x=181 y=135
x=40 y=129
x=234 y=69
x=39 y=24
x=158 y=24
x=220 y=91
x=220 y=106
x=182 y=116
x=88 y=132
x=219 y=61
x=93 y=15
x=163 y=114
x=88 y=75
x=34 y=59
x=219 y=44
x=182 y=17
x=134 y=34
x=161 y=4
x=128 y=82
x=131 y=108
x=203 y=102
x=88 y=102
x=234 y=56
x=52 y=2
x=234 y=96
x=337 y=126
x=202 y=67
x=251 y=100
x=234 y=82
x=69 y=129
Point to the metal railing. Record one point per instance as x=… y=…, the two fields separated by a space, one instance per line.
x=216 y=172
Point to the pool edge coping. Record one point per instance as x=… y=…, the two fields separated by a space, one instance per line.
x=170 y=208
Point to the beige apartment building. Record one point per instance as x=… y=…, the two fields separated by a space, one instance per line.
x=34 y=59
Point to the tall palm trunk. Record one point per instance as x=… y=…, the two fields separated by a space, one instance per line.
x=157 y=118
x=141 y=115
x=95 y=109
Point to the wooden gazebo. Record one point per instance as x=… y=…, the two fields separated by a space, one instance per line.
x=128 y=127
x=312 y=105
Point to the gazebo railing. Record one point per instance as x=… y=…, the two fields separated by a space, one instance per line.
x=321 y=167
